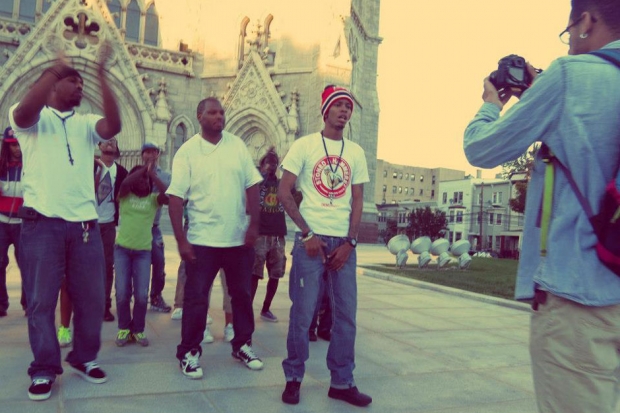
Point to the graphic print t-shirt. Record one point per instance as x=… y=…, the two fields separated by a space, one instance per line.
x=272 y=219
x=325 y=180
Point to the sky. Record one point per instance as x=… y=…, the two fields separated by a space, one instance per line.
x=432 y=61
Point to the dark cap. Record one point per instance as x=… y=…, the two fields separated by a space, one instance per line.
x=149 y=145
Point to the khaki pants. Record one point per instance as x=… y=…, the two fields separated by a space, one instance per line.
x=574 y=350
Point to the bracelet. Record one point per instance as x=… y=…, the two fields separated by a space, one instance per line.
x=307 y=237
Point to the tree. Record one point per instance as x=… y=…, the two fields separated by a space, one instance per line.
x=523 y=164
x=390 y=231
x=426 y=222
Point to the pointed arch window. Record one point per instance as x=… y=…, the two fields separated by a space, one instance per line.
x=27 y=9
x=6 y=8
x=180 y=135
x=133 y=22
x=45 y=6
x=151 y=30
x=115 y=10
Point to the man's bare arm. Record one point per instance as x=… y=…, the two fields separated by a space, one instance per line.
x=27 y=112
x=110 y=125
x=287 y=184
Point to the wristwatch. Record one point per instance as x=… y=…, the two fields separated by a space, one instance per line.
x=352 y=241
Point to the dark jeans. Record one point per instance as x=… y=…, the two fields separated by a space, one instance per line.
x=9 y=234
x=53 y=249
x=108 y=237
x=158 y=278
x=237 y=264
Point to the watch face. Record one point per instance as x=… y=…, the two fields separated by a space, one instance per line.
x=353 y=242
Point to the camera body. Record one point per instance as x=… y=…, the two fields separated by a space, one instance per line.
x=511 y=74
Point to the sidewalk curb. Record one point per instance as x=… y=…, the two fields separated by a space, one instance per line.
x=443 y=289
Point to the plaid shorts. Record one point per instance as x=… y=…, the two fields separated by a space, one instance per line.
x=269 y=249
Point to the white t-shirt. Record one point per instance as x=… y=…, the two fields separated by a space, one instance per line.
x=213 y=179
x=326 y=205
x=104 y=195
x=52 y=185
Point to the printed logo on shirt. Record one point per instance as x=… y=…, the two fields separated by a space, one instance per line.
x=269 y=199
x=331 y=182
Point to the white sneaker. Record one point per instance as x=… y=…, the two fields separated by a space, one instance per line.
x=177 y=314
x=209 y=319
x=190 y=366
x=229 y=332
x=247 y=356
x=208 y=337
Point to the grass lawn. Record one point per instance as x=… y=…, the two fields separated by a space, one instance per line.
x=490 y=276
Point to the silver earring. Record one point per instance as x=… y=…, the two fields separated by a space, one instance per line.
x=583 y=35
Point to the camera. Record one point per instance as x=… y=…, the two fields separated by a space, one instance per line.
x=512 y=74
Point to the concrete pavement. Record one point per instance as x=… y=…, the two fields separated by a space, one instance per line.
x=419 y=348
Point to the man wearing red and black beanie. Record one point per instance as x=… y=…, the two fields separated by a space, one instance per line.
x=330 y=172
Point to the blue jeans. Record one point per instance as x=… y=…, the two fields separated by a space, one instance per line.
x=9 y=234
x=132 y=278
x=237 y=264
x=304 y=290
x=53 y=249
x=158 y=280
x=108 y=236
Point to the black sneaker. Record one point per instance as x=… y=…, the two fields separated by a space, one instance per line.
x=290 y=395
x=90 y=372
x=247 y=356
x=40 y=389
x=190 y=365
x=351 y=395
x=108 y=316
x=158 y=304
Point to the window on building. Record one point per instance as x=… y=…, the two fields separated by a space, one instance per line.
x=413 y=177
x=498 y=219
x=457 y=197
x=406 y=176
x=432 y=194
x=444 y=198
x=479 y=217
x=497 y=198
x=394 y=189
x=151 y=27
x=421 y=178
x=421 y=192
x=180 y=134
x=433 y=182
x=412 y=191
x=406 y=190
x=395 y=175
x=133 y=22
x=458 y=236
x=459 y=216
x=491 y=218
x=6 y=8
x=384 y=173
x=490 y=241
x=400 y=189
x=27 y=9
x=384 y=188
x=115 y=10
x=451 y=216
x=400 y=175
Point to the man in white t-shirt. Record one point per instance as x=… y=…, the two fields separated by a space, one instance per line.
x=60 y=235
x=215 y=173
x=330 y=172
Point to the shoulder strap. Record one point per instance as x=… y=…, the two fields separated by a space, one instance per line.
x=611 y=55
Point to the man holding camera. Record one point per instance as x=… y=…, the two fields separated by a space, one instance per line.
x=572 y=108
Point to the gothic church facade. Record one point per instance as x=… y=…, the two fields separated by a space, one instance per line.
x=269 y=85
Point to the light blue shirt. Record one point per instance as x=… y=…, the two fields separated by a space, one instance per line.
x=573 y=107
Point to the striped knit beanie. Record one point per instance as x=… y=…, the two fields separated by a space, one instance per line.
x=331 y=94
